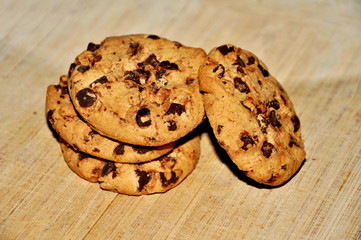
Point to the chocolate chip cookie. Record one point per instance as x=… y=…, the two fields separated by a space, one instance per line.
x=155 y=176
x=139 y=89
x=251 y=115
x=67 y=123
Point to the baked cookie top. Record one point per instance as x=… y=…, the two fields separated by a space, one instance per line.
x=138 y=89
x=67 y=123
x=155 y=176
x=251 y=115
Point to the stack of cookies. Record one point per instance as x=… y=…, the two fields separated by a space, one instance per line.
x=127 y=110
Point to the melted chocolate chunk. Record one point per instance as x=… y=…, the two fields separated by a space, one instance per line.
x=86 y=97
x=119 y=150
x=71 y=69
x=247 y=141
x=82 y=156
x=219 y=129
x=64 y=91
x=267 y=149
x=274 y=104
x=144 y=179
x=251 y=60
x=239 y=62
x=264 y=72
x=151 y=60
x=83 y=68
x=92 y=47
x=172 y=125
x=224 y=49
x=141 y=149
x=189 y=81
x=241 y=85
x=135 y=48
x=154 y=37
x=221 y=74
x=168 y=65
x=136 y=75
x=240 y=70
x=143 y=113
x=159 y=74
x=296 y=123
x=100 y=80
x=175 y=108
x=273 y=119
x=167 y=182
x=273 y=178
x=108 y=168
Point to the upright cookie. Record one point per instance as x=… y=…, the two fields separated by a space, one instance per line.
x=138 y=89
x=155 y=176
x=251 y=115
x=76 y=132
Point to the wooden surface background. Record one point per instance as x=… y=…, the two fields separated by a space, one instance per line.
x=312 y=47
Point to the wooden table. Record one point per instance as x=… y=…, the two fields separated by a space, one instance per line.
x=312 y=47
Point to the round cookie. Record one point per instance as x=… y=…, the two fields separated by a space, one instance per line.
x=67 y=123
x=138 y=89
x=155 y=176
x=251 y=115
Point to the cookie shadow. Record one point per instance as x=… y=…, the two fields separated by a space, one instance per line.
x=223 y=156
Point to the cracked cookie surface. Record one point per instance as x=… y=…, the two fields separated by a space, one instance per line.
x=139 y=89
x=251 y=115
x=67 y=123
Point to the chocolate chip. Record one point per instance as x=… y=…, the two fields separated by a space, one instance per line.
x=141 y=149
x=293 y=142
x=135 y=48
x=221 y=74
x=159 y=74
x=251 y=60
x=239 y=62
x=154 y=37
x=240 y=70
x=189 y=81
x=96 y=150
x=284 y=167
x=82 y=156
x=241 y=85
x=177 y=44
x=64 y=91
x=264 y=72
x=50 y=115
x=119 y=150
x=100 y=80
x=224 y=49
x=83 y=68
x=108 y=168
x=86 y=97
x=273 y=119
x=267 y=149
x=175 y=108
x=71 y=69
x=92 y=47
x=143 y=113
x=151 y=60
x=247 y=141
x=137 y=75
x=172 y=125
x=219 y=129
x=274 y=104
x=296 y=123
x=259 y=82
x=144 y=179
x=168 y=65
x=167 y=182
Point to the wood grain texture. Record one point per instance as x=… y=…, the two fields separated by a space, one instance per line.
x=312 y=47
